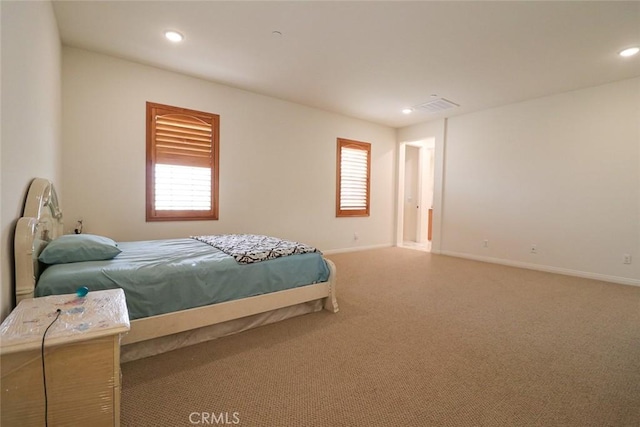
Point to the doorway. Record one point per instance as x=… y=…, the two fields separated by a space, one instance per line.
x=416 y=194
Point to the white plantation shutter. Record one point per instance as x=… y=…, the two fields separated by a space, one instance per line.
x=182 y=163
x=182 y=188
x=353 y=191
x=354 y=161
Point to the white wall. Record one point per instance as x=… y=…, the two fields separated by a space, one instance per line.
x=561 y=172
x=31 y=106
x=277 y=159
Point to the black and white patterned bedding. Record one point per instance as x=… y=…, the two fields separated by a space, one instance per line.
x=250 y=248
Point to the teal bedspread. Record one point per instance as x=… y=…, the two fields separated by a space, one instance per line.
x=162 y=276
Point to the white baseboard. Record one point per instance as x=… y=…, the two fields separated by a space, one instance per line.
x=355 y=249
x=546 y=268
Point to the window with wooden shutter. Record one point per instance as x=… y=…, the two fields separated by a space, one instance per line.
x=353 y=178
x=182 y=164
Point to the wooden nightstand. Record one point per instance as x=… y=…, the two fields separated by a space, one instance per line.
x=82 y=360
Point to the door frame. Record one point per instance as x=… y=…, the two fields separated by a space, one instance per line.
x=422 y=223
x=418 y=195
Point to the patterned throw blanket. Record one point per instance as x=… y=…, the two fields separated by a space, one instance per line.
x=250 y=248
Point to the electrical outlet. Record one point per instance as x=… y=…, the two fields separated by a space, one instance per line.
x=78 y=229
x=355 y=236
x=534 y=249
x=485 y=243
x=627 y=259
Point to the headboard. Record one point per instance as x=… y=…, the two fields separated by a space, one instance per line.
x=41 y=223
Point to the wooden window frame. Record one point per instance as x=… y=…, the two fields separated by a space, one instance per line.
x=180 y=215
x=365 y=146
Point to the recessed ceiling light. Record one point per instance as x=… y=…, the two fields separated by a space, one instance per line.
x=173 y=36
x=630 y=51
x=407 y=110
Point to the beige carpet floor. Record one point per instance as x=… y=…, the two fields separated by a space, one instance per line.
x=420 y=340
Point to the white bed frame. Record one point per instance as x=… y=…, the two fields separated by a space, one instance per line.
x=42 y=222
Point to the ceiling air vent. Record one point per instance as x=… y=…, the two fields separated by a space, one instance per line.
x=435 y=106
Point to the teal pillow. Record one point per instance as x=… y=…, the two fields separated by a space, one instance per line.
x=78 y=248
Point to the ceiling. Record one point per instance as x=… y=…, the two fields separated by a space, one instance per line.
x=371 y=59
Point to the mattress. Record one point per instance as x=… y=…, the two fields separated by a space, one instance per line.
x=163 y=276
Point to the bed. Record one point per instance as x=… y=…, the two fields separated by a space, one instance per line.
x=280 y=288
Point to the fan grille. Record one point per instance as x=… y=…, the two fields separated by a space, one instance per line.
x=436 y=105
